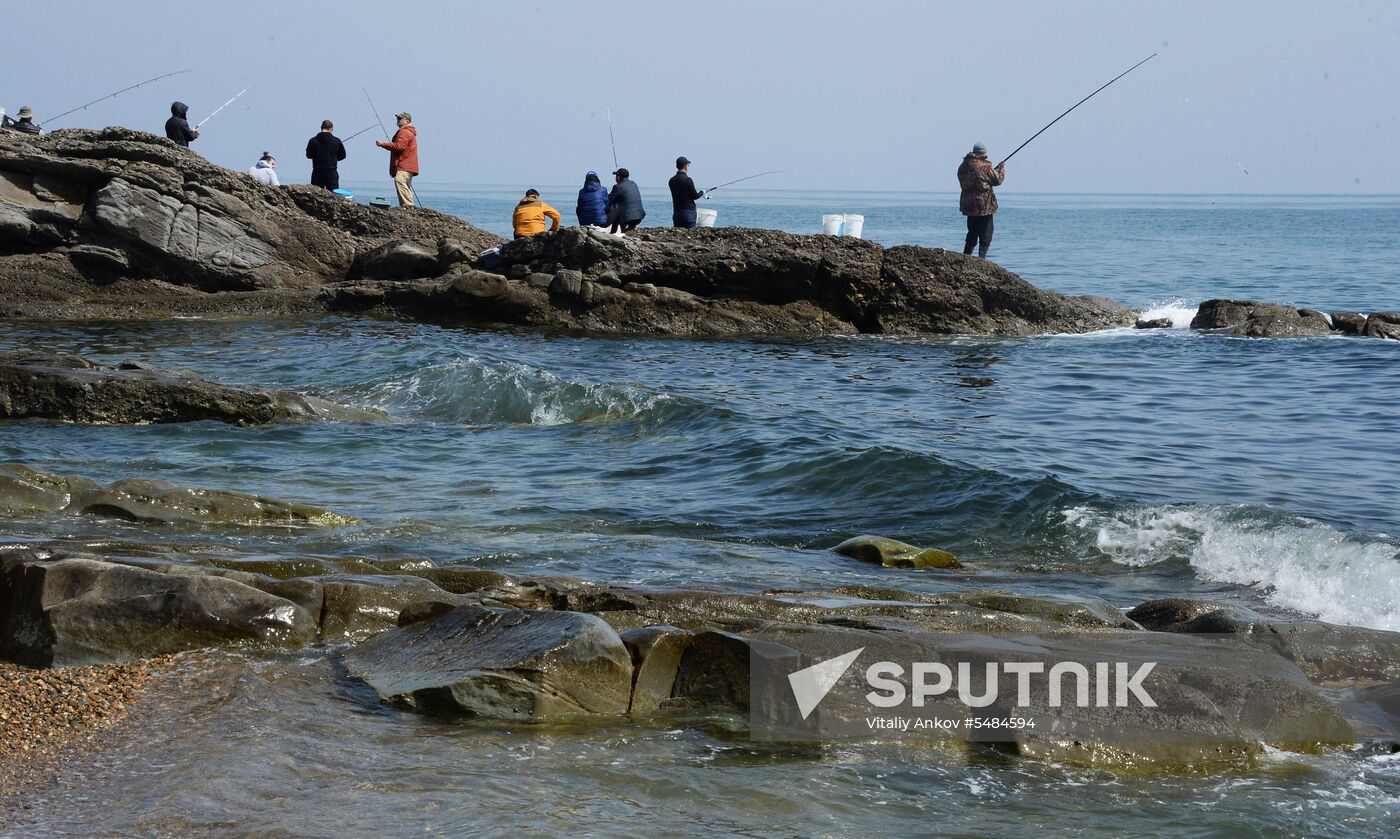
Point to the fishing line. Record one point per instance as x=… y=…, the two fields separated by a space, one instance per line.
x=111 y=95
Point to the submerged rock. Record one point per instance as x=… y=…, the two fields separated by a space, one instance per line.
x=153 y=501
x=504 y=664
x=72 y=389
x=893 y=553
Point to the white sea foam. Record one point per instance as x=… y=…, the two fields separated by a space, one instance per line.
x=1298 y=563
x=1180 y=312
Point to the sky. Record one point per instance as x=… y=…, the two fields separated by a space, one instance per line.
x=1278 y=97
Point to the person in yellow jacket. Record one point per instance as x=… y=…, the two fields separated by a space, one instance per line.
x=530 y=214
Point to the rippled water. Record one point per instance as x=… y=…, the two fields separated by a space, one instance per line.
x=1124 y=464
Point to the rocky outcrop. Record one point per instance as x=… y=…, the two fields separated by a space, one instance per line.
x=1248 y=319
x=1225 y=681
x=156 y=502
x=123 y=223
x=73 y=389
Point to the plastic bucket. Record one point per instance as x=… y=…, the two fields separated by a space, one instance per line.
x=344 y=193
x=705 y=217
x=852 y=225
x=831 y=224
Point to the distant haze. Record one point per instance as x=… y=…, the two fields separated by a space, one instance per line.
x=840 y=95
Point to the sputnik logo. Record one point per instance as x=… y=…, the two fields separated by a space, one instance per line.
x=810 y=685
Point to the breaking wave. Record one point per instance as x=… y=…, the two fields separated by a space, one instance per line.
x=469 y=390
x=1297 y=563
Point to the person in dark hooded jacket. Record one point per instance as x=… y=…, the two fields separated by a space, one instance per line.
x=592 y=201
x=178 y=128
x=624 y=204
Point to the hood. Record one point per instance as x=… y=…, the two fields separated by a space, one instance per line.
x=262 y=164
x=974 y=156
x=525 y=201
x=593 y=184
x=179 y=109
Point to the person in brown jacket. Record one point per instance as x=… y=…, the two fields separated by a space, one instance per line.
x=403 y=158
x=977 y=176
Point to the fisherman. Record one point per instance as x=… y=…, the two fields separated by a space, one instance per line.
x=403 y=157
x=25 y=123
x=592 y=206
x=625 y=210
x=530 y=214
x=978 y=202
x=324 y=151
x=265 y=170
x=178 y=128
x=683 y=195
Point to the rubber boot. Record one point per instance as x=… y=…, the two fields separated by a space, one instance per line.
x=982 y=251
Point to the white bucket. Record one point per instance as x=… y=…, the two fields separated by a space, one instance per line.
x=852 y=225
x=831 y=224
x=705 y=217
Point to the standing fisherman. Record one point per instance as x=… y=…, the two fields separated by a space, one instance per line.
x=178 y=128
x=977 y=176
x=324 y=151
x=683 y=195
x=403 y=157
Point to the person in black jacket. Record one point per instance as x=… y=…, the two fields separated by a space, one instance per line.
x=178 y=128
x=324 y=151
x=624 y=204
x=683 y=195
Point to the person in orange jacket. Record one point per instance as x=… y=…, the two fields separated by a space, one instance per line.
x=403 y=158
x=530 y=214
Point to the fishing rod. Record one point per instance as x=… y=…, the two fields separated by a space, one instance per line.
x=612 y=139
x=357 y=133
x=380 y=120
x=50 y=120
x=737 y=180
x=1077 y=104
x=221 y=107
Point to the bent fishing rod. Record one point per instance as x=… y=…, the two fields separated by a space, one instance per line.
x=225 y=105
x=1077 y=104
x=50 y=120
x=737 y=180
x=380 y=120
x=358 y=133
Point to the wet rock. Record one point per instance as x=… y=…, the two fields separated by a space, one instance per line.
x=1155 y=323
x=1249 y=319
x=1079 y=611
x=656 y=657
x=356 y=607
x=893 y=553
x=72 y=389
x=1348 y=323
x=500 y=664
x=24 y=489
x=1328 y=653
x=715 y=670
x=144 y=500
x=1383 y=325
x=73 y=610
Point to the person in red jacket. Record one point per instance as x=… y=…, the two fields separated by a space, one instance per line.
x=403 y=158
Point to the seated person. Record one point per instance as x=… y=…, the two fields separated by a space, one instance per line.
x=530 y=214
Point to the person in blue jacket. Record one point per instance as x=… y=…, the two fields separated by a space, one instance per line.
x=592 y=201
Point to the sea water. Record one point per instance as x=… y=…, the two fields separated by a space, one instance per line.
x=1123 y=464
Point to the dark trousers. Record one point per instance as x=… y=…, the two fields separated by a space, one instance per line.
x=978 y=228
x=683 y=218
x=328 y=180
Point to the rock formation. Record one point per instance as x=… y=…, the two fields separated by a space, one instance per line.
x=123 y=223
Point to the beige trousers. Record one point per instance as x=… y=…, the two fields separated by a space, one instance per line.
x=403 y=182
